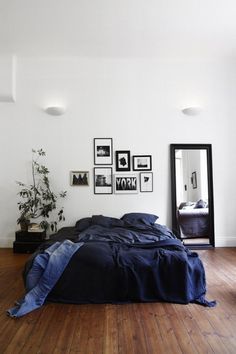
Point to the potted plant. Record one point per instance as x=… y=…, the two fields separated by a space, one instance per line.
x=37 y=200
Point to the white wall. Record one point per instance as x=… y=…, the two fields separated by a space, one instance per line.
x=194 y=166
x=138 y=103
x=7 y=78
x=190 y=163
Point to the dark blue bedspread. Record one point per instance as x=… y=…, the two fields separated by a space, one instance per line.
x=122 y=262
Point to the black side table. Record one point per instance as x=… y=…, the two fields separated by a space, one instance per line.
x=27 y=241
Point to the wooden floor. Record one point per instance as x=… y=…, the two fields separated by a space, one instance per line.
x=125 y=329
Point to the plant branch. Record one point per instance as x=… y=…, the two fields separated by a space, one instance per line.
x=38 y=199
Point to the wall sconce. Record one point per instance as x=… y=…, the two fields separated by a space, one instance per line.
x=55 y=110
x=191 y=111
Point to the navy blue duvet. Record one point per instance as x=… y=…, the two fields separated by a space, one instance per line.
x=123 y=262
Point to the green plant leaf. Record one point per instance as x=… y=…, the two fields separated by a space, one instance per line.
x=37 y=200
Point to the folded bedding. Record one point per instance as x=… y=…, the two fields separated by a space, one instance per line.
x=194 y=222
x=121 y=261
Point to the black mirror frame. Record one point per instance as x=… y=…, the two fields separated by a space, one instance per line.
x=175 y=228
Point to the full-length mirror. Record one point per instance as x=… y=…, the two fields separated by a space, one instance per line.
x=192 y=194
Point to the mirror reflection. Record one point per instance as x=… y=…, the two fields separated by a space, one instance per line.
x=192 y=200
x=192 y=195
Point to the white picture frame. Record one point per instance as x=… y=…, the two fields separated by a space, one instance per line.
x=126 y=183
x=146 y=182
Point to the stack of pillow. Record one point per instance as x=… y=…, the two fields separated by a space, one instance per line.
x=193 y=205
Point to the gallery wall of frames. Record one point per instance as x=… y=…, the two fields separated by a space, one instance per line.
x=123 y=174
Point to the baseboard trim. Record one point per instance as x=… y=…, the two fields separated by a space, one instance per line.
x=225 y=241
x=6 y=243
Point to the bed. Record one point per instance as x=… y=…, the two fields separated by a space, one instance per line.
x=132 y=259
x=193 y=219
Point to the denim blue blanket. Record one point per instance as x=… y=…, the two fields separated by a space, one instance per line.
x=45 y=272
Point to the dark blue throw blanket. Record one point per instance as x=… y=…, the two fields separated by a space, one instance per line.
x=121 y=262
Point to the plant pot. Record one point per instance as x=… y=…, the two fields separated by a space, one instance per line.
x=24 y=225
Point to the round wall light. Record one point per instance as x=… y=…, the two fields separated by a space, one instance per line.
x=191 y=111
x=55 y=110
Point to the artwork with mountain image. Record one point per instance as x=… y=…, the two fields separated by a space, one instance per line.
x=122 y=160
x=126 y=184
x=79 y=178
x=142 y=162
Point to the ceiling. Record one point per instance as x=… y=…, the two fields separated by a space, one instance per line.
x=118 y=28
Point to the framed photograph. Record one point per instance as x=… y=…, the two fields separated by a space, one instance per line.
x=146 y=182
x=103 y=151
x=79 y=178
x=103 y=180
x=142 y=163
x=126 y=184
x=194 y=180
x=122 y=160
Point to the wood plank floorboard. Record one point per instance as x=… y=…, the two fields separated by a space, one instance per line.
x=139 y=328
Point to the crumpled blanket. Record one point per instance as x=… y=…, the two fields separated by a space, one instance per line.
x=45 y=272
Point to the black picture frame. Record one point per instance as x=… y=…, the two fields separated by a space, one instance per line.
x=122 y=160
x=194 y=180
x=103 y=180
x=126 y=183
x=103 y=151
x=146 y=182
x=142 y=163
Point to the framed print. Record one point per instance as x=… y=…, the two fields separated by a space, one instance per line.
x=79 y=178
x=146 y=182
x=142 y=163
x=126 y=184
x=103 y=151
x=103 y=180
x=122 y=160
x=194 y=179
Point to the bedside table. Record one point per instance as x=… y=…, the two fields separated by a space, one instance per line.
x=27 y=241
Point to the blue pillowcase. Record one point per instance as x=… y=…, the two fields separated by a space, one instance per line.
x=106 y=221
x=144 y=218
x=83 y=224
x=200 y=204
x=101 y=220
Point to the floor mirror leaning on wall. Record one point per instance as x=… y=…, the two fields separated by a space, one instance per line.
x=192 y=194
